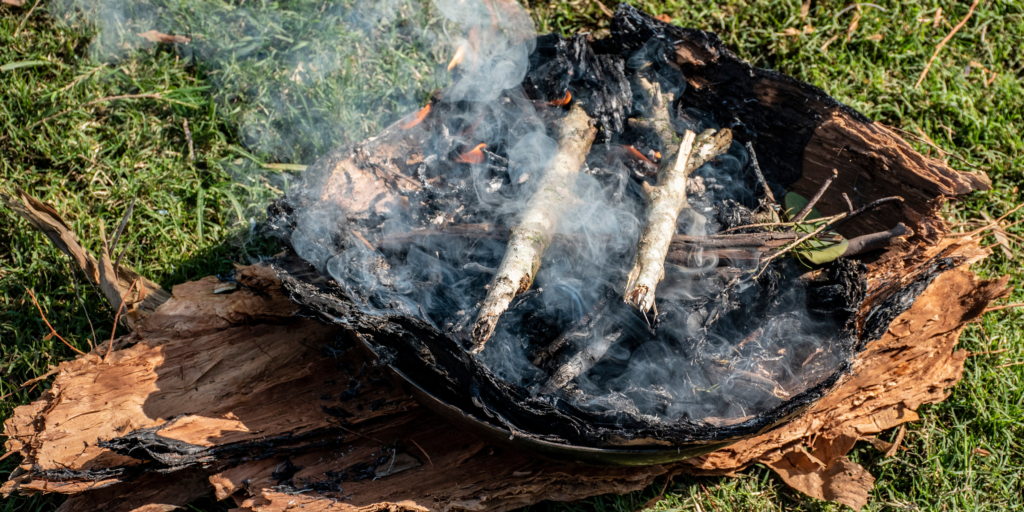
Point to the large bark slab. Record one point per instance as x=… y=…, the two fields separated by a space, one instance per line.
x=204 y=390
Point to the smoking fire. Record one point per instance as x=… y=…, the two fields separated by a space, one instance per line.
x=564 y=216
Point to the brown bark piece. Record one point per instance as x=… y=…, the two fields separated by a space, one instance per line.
x=114 y=284
x=913 y=363
x=873 y=162
x=149 y=493
x=204 y=373
x=235 y=382
x=462 y=473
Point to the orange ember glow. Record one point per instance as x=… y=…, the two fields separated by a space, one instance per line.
x=474 y=156
x=417 y=119
x=460 y=53
x=657 y=154
x=636 y=153
x=562 y=102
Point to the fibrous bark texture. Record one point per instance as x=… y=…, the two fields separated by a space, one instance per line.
x=204 y=393
x=532 y=235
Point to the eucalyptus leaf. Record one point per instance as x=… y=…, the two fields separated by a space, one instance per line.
x=822 y=252
x=795 y=202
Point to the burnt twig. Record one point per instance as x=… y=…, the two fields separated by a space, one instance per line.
x=760 y=177
x=665 y=201
x=543 y=357
x=867 y=243
x=866 y=208
x=531 y=237
x=802 y=214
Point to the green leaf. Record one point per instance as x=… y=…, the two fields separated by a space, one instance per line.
x=23 y=64
x=795 y=202
x=820 y=252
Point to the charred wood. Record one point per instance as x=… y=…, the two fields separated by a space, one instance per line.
x=868 y=243
x=664 y=203
x=531 y=237
x=802 y=214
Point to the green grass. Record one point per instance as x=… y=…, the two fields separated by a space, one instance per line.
x=247 y=103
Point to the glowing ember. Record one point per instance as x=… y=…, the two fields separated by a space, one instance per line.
x=474 y=156
x=562 y=102
x=640 y=156
x=460 y=53
x=417 y=119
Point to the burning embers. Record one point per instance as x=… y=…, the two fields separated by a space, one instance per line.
x=560 y=239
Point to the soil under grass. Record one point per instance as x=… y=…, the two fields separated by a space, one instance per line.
x=248 y=104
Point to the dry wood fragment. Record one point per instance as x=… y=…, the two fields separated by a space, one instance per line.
x=664 y=202
x=154 y=36
x=115 y=284
x=532 y=235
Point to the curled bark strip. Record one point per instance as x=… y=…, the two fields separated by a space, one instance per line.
x=664 y=202
x=531 y=237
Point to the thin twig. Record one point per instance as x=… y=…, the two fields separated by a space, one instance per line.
x=47 y=322
x=425 y=454
x=868 y=207
x=117 y=316
x=791 y=246
x=757 y=170
x=987 y=352
x=705 y=489
x=849 y=204
x=365 y=241
x=27 y=16
x=938 y=47
x=1004 y=306
x=1007 y=365
x=817 y=196
x=188 y=136
x=990 y=225
x=780 y=224
x=155 y=96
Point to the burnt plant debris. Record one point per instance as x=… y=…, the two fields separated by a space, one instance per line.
x=399 y=238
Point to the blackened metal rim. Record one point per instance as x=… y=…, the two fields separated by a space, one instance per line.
x=556 y=451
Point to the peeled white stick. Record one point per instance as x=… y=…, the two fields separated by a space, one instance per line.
x=664 y=203
x=531 y=237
